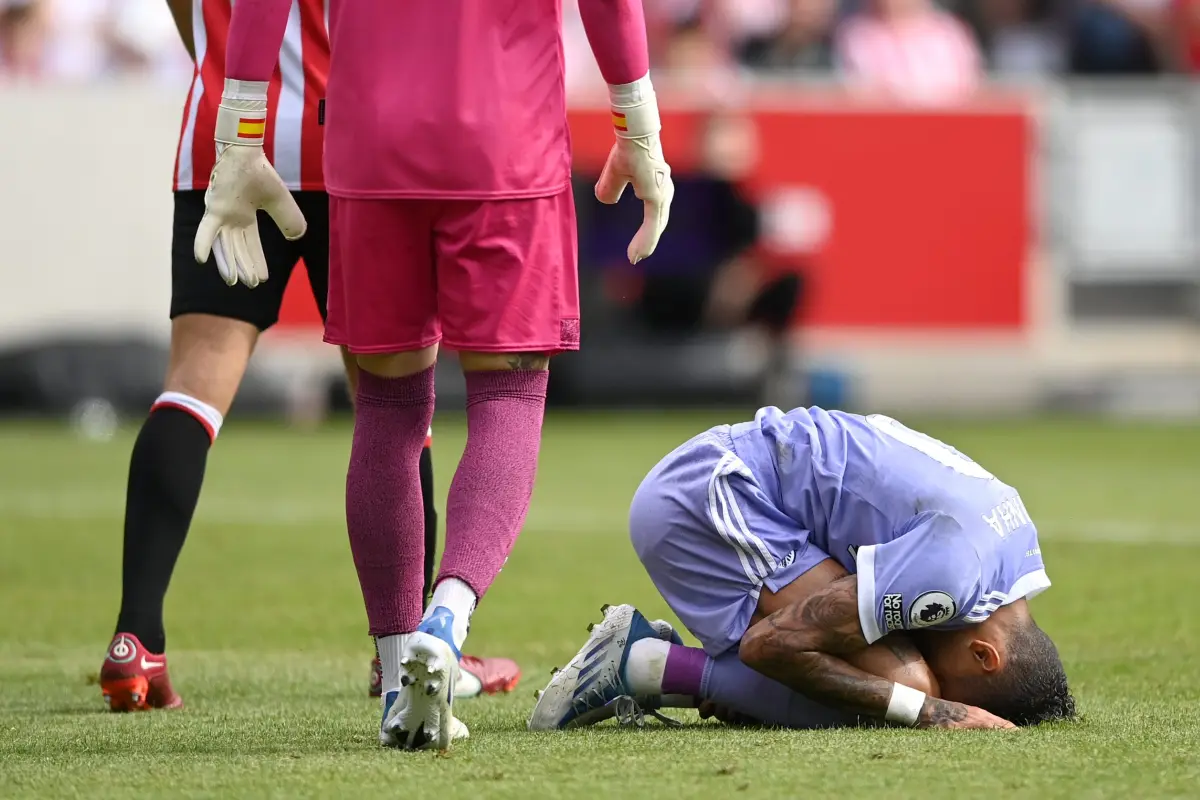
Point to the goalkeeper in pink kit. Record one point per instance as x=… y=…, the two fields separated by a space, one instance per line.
x=447 y=162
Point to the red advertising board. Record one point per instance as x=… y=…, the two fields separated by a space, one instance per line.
x=901 y=219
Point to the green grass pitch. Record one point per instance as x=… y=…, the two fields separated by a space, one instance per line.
x=268 y=646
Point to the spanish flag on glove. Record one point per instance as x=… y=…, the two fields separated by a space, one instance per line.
x=637 y=159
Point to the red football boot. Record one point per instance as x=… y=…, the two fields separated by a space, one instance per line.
x=484 y=676
x=495 y=675
x=134 y=679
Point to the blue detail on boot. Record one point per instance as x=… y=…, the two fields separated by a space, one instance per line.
x=389 y=700
x=440 y=623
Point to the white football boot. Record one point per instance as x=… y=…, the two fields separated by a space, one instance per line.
x=593 y=686
x=420 y=715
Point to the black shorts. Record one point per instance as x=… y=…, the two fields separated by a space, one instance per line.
x=199 y=288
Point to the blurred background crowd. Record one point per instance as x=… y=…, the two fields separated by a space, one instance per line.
x=921 y=48
x=941 y=204
x=89 y=40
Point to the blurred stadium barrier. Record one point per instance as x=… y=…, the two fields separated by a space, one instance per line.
x=1019 y=250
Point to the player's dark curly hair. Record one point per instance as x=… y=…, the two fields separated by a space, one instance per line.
x=1032 y=688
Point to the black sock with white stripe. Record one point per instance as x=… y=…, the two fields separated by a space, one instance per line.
x=166 y=471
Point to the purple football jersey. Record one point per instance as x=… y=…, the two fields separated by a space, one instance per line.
x=935 y=539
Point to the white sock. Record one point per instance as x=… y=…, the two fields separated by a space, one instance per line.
x=468 y=685
x=460 y=598
x=391 y=650
x=645 y=666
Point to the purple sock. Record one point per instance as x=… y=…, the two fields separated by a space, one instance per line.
x=385 y=514
x=490 y=493
x=684 y=672
x=731 y=683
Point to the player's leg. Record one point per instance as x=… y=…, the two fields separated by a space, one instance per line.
x=350 y=362
x=213 y=332
x=382 y=308
x=478 y=675
x=672 y=675
x=739 y=693
x=392 y=416
x=508 y=300
x=489 y=495
x=316 y=260
x=166 y=471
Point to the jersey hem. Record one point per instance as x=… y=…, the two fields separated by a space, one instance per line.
x=429 y=194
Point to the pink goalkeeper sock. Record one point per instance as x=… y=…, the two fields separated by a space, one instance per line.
x=490 y=493
x=385 y=515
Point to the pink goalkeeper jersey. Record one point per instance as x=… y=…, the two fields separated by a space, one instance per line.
x=446 y=99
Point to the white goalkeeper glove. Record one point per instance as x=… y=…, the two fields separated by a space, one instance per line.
x=242 y=182
x=637 y=159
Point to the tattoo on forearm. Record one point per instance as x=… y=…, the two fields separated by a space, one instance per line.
x=830 y=617
x=528 y=361
x=802 y=645
x=830 y=679
x=938 y=713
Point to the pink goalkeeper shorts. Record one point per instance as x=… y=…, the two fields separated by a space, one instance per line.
x=490 y=276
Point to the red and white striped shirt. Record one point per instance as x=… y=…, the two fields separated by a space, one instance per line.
x=929 y=58
x=294 y=138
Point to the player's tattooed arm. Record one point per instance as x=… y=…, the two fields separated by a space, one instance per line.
x=804 y=646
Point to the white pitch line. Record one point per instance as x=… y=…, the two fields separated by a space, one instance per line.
x=225 y=508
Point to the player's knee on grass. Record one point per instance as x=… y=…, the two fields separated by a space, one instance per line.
x=208 y=358
x=497 y=362
x=397 y=365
